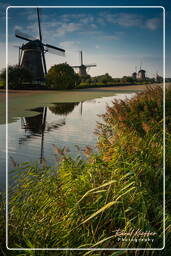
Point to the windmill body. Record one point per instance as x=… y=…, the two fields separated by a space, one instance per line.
x=32 y=59
x=141 y=74
x=83 y=68
x=32 y=54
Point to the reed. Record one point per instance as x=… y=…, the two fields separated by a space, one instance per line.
x=82 y=203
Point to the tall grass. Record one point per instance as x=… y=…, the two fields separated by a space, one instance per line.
x=82 y=203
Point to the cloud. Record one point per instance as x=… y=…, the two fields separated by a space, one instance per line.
x=18 y=28
x=132 y=20
x=123 y=19
x=70 y=45
x=153 y=23
x=70 y=17
x=68 y=28
x=33 y=17
x=88 y=19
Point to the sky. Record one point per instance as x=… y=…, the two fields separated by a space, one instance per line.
x=118 y=40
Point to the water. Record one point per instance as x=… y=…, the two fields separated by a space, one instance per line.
x=62 y=124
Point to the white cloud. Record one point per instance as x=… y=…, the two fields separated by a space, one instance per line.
x=123 y=19
x=153 y=23
x=70 y=45
x=88 y=19
x=18 y=28
x=68 y=28
x=132 y=20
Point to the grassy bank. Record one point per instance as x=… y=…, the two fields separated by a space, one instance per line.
x=84 y=85
x=83 y=202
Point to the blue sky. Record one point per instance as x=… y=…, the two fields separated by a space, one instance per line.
x=116 y=39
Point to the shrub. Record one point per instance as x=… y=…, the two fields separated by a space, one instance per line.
x=62 y=77
x=16 y=76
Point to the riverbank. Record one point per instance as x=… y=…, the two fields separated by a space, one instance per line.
x=83 y=203
x=125 y=88
x=20 y=102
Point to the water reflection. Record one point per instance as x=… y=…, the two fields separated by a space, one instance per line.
x=63 y=108
x=33 y=123
x=37 y=125
x=31 y=138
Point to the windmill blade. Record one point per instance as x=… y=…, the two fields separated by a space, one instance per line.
x=44 y=62
x=76 y=66
x=24 y=36
x=90 y=65
x=55 y=50
x=81 y=57
x=40 y=37
x=40 y=32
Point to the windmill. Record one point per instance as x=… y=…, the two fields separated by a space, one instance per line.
x=82 y=68
x=32 y=54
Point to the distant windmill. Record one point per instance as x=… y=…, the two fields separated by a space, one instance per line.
x=82 y=68
x=32 y=54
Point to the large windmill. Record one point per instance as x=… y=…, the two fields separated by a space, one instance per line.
x=32 y=54
x=82 y=68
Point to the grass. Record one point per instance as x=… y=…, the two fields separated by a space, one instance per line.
x=82 y=203
x=84 y=85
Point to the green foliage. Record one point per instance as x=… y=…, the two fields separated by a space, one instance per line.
x=62 y=77
x=82 y=202
x=2 y=84
x=104 y=78
x=127 y=79
x=17 y=75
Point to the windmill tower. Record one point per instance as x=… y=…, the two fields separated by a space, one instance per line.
x=82 y=68
x=32 y=54
x=141 y=73
x=134 y=74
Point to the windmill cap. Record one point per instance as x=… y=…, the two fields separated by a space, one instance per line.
x=141 y=70
x=32 y=44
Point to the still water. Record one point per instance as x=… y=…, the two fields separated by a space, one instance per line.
x=63 y=124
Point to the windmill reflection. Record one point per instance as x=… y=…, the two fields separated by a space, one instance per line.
x=36 y=126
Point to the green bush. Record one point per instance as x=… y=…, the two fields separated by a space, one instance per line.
x=62 y=77
x=17 y=75
x=2 y=84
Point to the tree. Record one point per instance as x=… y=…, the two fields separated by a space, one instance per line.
x=104 y=78
x=17 y=75
x=62 y=76
x=127 y=79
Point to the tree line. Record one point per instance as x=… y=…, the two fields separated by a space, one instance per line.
x=60 y=77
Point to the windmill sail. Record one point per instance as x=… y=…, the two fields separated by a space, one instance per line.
x=91 y=65
x=24 y=36
x=32 y=54
x=55 y=50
